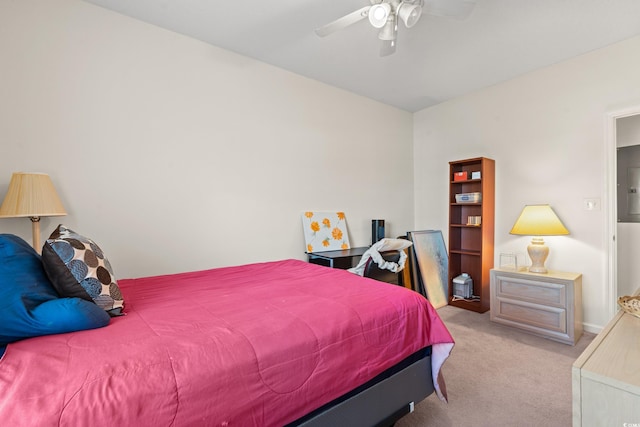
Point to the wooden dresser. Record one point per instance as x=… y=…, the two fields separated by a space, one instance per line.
x=606 y=377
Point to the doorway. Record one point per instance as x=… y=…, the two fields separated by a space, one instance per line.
x=622 y=129
x=628 y=203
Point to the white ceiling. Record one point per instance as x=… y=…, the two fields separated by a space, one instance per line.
x=436 y=60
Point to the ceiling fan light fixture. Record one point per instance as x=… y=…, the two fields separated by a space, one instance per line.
x=409 y=13
x=389 y=31
x=379 y=14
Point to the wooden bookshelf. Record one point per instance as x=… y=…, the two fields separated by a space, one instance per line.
x=471 y=244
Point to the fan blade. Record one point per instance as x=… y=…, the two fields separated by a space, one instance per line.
x=459 y=9
x=343 y=22
x=388 y=47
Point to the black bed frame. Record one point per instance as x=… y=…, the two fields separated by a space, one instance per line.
x=380 y=402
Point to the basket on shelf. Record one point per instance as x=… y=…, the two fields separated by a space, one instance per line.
x=630 y=305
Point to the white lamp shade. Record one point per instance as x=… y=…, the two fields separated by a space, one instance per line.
x=409 y=13
x=31 y=195
x=379 y=13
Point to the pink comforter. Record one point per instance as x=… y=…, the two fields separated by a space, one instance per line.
x=254 y=345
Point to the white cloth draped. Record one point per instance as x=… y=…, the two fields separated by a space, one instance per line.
x=374 y=251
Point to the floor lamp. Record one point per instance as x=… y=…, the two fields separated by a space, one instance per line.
x=31 y=195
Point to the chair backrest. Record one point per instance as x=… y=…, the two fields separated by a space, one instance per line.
x=372 y=270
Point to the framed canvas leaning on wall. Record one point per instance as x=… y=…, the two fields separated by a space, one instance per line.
x=431 y=266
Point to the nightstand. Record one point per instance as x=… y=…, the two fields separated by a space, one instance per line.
x=548 y=305
x=344 y=259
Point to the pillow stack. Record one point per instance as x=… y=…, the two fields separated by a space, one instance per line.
x=29 y=304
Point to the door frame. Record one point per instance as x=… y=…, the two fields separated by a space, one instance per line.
x=610 y=205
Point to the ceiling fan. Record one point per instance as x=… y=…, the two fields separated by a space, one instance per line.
x=385 y=15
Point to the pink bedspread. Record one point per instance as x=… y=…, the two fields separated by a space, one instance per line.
x=261 y=344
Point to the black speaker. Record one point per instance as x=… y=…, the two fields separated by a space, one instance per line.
x=377 y=230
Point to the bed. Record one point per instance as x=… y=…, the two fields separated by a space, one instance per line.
x=265 y=344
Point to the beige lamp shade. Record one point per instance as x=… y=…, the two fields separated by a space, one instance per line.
x=31 y=195
x=538 y=220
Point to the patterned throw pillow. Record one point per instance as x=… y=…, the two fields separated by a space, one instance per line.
x=77 y=267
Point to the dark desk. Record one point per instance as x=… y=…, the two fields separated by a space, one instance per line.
x=343 y=259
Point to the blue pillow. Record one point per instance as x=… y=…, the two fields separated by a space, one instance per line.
x=29 y=305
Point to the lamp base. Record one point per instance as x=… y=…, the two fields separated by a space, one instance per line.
x=538 y=253
x=35 y=230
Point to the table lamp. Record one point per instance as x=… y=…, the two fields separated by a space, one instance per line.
x=31 y=195
x=537 y=221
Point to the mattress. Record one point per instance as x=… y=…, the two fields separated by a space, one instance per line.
x=259 y=344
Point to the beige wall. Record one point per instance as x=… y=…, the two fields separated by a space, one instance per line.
x=546 y=131
x=175 y=155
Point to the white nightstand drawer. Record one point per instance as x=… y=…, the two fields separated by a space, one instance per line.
x=529 y=316
x=545 y=293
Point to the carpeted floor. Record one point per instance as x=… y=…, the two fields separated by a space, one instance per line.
x=500 y=376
